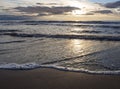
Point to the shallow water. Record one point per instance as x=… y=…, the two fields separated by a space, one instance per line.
x=92 y=47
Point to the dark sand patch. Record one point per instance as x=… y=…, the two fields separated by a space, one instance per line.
x=46 y=78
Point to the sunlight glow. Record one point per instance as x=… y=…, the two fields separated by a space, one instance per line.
x=77 y=46
x=78 y=12
x=68 y=10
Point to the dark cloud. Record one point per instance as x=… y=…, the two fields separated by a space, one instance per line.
x=113 y=4
x=44 y=10
x=47 y=4
x=13 y=17
x=103 y=11
x=89 y=13
x=99 y=12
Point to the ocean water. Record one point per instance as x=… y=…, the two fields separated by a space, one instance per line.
x=84 y=46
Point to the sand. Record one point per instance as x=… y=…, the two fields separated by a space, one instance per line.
x=46 y=78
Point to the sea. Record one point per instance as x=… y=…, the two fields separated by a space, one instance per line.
x=79 y=46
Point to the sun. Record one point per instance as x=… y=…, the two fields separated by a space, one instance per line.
x=81 y=7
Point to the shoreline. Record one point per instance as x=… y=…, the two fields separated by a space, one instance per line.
x=50 y=78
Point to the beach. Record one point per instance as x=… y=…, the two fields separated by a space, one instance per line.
x=59 y=44
x=47 y=78
x=59 y=55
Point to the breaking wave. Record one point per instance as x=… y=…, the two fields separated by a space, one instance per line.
x=29 y=66
x=67 y=36
x=101 y=24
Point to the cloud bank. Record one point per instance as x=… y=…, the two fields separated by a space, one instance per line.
x=103 y=12
x=113 y=4
x=13 y=17
x=40 y=8
x=43 y=10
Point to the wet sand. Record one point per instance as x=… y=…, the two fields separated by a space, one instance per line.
x=46 y=78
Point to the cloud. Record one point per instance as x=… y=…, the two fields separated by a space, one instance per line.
x=89 y=13
x=44 y=10
x=1 y=6
x=99 y=12
x=70 y=9
x=118 y=9
x=13 y=17
x=103 y=12
x=113 y=4
x=47 y=4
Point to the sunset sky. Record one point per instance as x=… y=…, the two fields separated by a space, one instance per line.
x=75 y=10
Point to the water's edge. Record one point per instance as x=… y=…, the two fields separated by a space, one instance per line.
x=32 y=66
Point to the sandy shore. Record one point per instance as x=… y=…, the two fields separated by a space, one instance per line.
x=46 y=78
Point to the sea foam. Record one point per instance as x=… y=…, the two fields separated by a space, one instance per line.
x=29 y=66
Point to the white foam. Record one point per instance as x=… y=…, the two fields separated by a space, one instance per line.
x=19 y=66
x=26 y=66
x=111 y=72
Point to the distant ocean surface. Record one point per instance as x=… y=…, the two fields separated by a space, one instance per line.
x=80 y=46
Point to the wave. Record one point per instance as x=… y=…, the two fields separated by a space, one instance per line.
x=87 y=31
x=67 y=36
x=8 y=42
x=35 y=21
x=101 y=24
x=75 y=23
x=97 y=32
x=15 y=66
x=87 y=22
x=10 y=30
x=29 y=66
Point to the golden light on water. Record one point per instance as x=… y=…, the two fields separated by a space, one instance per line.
x=76 y=46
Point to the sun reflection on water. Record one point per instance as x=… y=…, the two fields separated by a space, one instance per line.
x=76 y=46
x=76 y=30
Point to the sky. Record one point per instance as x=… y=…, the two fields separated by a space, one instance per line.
x=73 y=10
x=104 y=1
